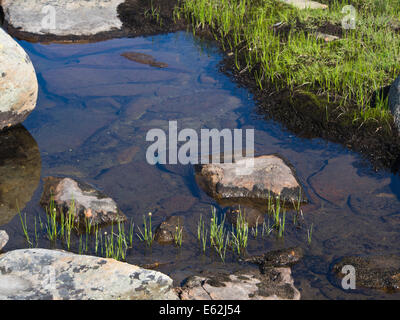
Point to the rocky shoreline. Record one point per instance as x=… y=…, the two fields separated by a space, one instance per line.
x=24 y=274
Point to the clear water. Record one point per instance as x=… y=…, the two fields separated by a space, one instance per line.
x=95 y=108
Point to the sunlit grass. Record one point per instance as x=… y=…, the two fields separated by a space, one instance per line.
x=347 y=71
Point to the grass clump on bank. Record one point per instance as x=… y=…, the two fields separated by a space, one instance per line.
x=278 y=45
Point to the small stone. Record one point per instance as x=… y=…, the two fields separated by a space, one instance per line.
x=277 y=258
x=305 y=4
x=88 y=202
x=167 y=230
x=326 y=37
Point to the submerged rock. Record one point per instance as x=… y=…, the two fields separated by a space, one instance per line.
x=277 y=258
x=394 y=101
x=3 y=239
x=168 y=229
x=18 y=82
x=89 y=203
x=277 y=284
x=252 y=216
x=34 y=274
x=268 y=176
x=144 y=59
x=62 y=17
x=376 y=272
x=20 y=168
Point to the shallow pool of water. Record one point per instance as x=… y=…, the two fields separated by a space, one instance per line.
x=95 y=108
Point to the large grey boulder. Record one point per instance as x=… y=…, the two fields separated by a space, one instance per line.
x=394 y=101
x=86 y=202
x=62 y=17
x=18 y=82
x=20 y=169
x=3 y=239
x=31 y=274
x=254 y=178
x=276 y=284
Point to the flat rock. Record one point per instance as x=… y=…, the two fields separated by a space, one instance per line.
x=3 y=239
x=394 y=101
x=89 y=203
x=374 y=272
x=18 y=82
x=277 y=284
x=166 y=231
x=20 y=169
x=277 y=258
x=269 y=177
x=72 y=17
x=305 y=4
x=36 y=274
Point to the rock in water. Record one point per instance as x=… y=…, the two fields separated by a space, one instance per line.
x=375 y=272
x=62 y=17
x=394 y=101
x=3 y=239
x=269 y=176
x=277 y=284
x=144 y=59
x=18 y=82
x=277 y=258
x=32 y=274
x=169 y=229
x=20 y=169
x=89 y=203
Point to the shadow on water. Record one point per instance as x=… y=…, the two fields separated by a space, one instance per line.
x=94 y=110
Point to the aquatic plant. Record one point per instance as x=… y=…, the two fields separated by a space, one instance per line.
x=146 y=236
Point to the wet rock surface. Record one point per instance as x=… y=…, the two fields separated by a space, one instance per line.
x=276 y=284
x=252 y=216
x=88 y=202
x=277 y=258
x=18 y=83
x=62 y=17
x=144 y=59
x=256 y=178
x=394 y=101
x=3 y=239
x=169 y=229
x=20 y=169
x=35 y=274
x=375 y=272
